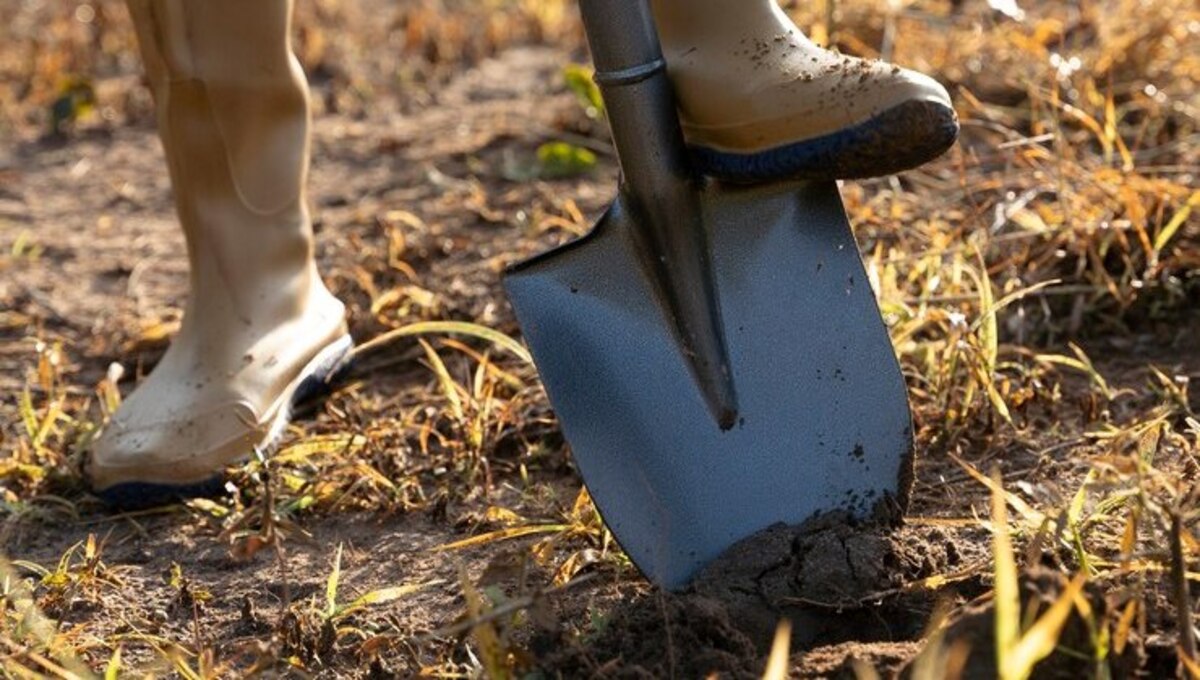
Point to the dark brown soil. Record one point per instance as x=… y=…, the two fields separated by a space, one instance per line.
x=1076 y=656
x=857 y=596
x=834 y=579
x=850 y=587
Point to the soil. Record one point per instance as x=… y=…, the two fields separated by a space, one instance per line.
x=849 y=589
x=111 y=264
x=856 y=596
x=835 y=579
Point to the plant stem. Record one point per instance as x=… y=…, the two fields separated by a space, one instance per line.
x=1183 y=598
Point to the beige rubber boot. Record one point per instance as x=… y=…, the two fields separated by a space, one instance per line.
x=260 y=328
x=759 y=101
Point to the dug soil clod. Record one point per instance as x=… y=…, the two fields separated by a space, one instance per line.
x=835 y=579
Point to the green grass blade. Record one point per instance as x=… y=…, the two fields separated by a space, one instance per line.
x=331 y=586
x=1007 y=596
x=450 y=328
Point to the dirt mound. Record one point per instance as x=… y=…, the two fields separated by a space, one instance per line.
x=661 y=636
x=1076 y=657
x=842 y=662
x=835 y=579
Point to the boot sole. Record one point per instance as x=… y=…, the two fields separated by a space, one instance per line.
x=313 y=382
x=868 y=149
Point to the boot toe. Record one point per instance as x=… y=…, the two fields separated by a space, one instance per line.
x=906 y=85
x=143 y=464
x=154 y=452
x=864 y=119
x=901 y=138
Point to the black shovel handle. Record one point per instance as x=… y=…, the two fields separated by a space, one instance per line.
x=661 y=189
x=638 y=98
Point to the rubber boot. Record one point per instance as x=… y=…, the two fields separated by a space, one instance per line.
x=260 y=329
x=760 y=101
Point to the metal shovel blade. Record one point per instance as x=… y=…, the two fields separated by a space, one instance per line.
x=822 y=414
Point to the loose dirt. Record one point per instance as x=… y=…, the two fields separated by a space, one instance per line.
x=863 y=573
x=855 y=588
x=858 y=595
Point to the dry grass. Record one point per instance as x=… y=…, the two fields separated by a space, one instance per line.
x=1068 y=214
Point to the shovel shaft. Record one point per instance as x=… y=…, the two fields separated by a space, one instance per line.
x=660 y=189
x=621 y=33
x=638 y=98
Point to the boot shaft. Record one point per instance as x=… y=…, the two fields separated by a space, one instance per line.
x=227 y=85
x=234 y=119
x=720 y=24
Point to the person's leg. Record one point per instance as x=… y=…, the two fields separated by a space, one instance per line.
x=233 y=115
x=758 y=100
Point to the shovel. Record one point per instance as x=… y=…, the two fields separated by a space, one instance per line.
x=714 y=353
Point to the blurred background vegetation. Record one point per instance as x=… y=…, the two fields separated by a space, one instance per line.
x=1080 y=118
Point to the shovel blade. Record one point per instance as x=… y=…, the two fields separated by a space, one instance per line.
x=823 y=421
